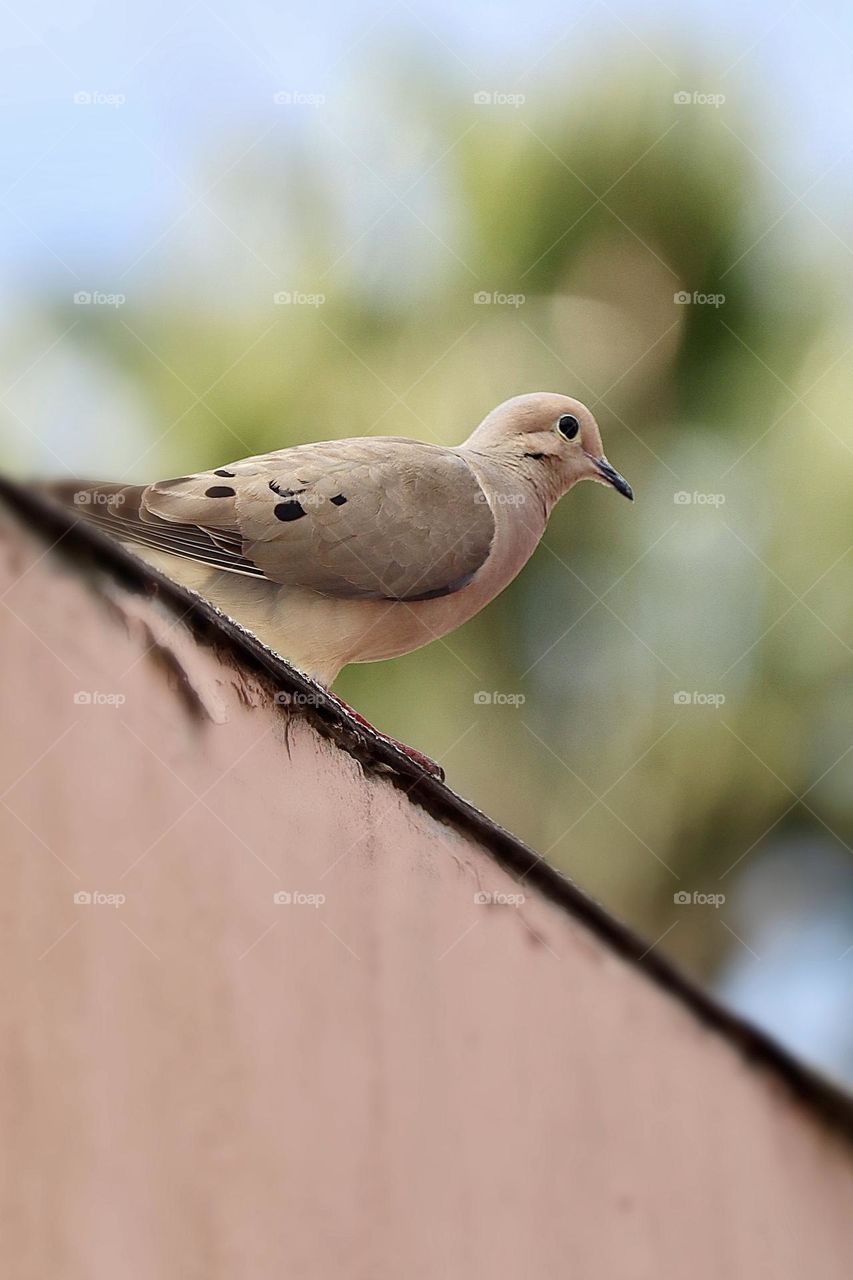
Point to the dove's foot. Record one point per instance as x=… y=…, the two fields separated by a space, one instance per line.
x=428 y=765
x=426 y=762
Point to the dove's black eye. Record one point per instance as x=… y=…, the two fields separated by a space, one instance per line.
x=568 y=426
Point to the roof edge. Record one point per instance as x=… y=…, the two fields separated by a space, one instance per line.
x=93 y=551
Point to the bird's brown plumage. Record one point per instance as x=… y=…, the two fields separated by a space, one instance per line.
x=362 y=549
x=337 y=517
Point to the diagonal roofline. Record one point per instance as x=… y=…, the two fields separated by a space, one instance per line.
x=94 y=553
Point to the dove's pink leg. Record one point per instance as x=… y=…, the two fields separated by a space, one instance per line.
x=425 y=762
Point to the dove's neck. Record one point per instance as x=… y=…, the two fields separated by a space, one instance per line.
x=517 y=479
x=520 y=508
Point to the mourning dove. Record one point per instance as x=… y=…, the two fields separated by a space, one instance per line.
x=361 y=549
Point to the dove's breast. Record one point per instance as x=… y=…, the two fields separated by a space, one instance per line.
x=368 y=630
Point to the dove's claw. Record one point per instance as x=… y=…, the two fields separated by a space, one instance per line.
x=429 y=766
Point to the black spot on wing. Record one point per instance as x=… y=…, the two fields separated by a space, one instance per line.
x=338 y=500
x=220 y=491
x=288 y=511
x=283 y=493
x=222 y=472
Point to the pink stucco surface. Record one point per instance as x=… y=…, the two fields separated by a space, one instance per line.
x=390 y=1080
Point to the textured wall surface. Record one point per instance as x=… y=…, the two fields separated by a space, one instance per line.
x=382 y=1076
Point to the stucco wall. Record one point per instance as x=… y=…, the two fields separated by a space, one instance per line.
x=394 y=1079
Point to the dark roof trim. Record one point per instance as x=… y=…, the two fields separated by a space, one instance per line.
x=94 y=552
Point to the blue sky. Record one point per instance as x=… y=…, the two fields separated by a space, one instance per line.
x=86 y=186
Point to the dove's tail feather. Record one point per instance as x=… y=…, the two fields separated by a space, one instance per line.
x=116 y=508
x=88 y=496
x=122 y=511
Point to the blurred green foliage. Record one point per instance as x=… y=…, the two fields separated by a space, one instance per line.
x=599 y=209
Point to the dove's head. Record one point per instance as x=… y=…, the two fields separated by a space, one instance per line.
x=552 y=438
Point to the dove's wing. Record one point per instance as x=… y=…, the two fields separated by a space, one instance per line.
x=382 y=518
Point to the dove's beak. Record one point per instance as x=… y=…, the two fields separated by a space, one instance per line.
x=612 y=476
